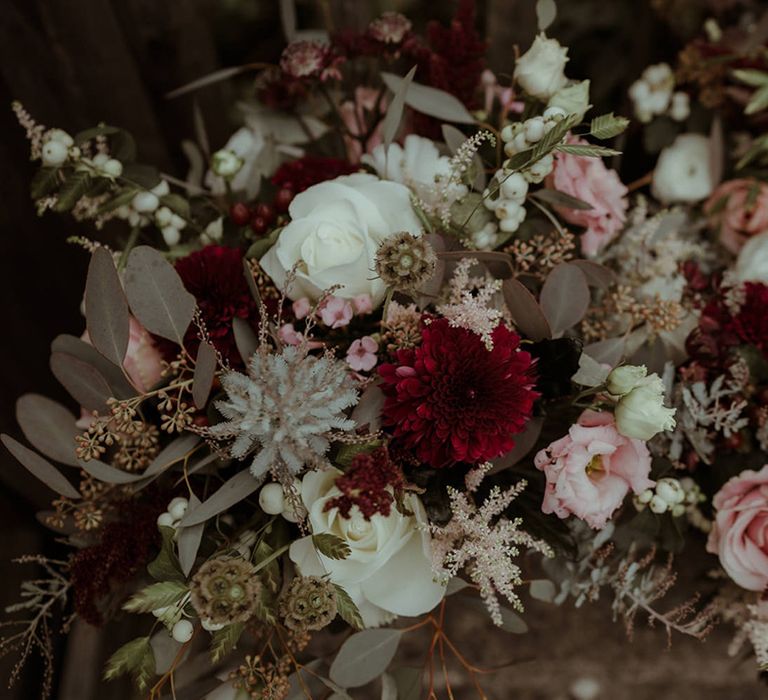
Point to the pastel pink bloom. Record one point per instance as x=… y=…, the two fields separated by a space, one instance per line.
x=336 y=312
x=505 y=95
x=353 y=114
x=740 y=209
x=301 y=307
x=289 y=335
x=589 y=180
x=363 y=304
x=739 y=534
x=591 y=470
x=361 y=355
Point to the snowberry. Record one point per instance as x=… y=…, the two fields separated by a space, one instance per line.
x=113 y=167
x=271 y=499
x=145 y=202
x=658 y=505
x=534 y=129
x=182 y=631
x=171 y=235
x=514 y=186
x=670 y=490
x=54 y=154
x=165 y=520
x=178 y=507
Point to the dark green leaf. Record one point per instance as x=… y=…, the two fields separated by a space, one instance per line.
x=40 y=468
x=82 y=137
x=156 y=595
x=135 y=658
x=177 y=204
x=224 y=641
x=145 y=176
x=44 y=182
x=106 y=309
x=331 y=546
x=74 y=187
x=119 y=199
x=166 y=567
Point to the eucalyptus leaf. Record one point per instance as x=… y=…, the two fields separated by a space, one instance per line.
x=543 y=589
x=205 y=371
x=525 y=310
x=561 y=199
x=165 y=567
x=189 y=539
x=107 y=473
x=546 y=11
x=237 y=488
x=40 y=467
x=174 y=452
x=364 y=656
x=83 y=381
x=106 y=309
x=431 y=101
x=408 y=682
x=564 y=297
x=524 y=443
x=394 y=113
x=157 y=295
x=246 y=340
x=597 y=275
x=49 y=426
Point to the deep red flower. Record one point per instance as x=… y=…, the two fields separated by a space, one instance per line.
x=215 y=277
x=298 y=175
x=750 y=324
x=451 y=400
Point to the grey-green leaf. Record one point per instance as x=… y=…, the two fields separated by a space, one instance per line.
x=525 y=310
x=40 y=467
x=205 y=371
x=364 y=656
x=106 y=309
x=49 y=426
x=189 y=539
x=543 y=589
x=561 y=199
x=82 y=380
x=246 y=340
x=431 y=101
x=394 y=113
x=564 y=297
x=157 y=295
x=240 y=486
x=546 y=11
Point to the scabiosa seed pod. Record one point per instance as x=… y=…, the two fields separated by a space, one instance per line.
x=309 y=603
x=225 y=590
x=405 y=261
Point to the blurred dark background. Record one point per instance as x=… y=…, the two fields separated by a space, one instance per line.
x=74 y=63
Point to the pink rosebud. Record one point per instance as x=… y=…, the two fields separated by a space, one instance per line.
x=336 y=312
x=362 y=304
x=301 y=307
x=591 y=470
x=361 y=355
x=740 y=209
x=289 y=335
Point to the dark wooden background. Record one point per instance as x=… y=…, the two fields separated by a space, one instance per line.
x=73 y=63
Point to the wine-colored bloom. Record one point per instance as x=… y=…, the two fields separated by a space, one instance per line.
x=452 y=400
x=750 y=323
x=300 y=174
x=309 y=59
x=390 y=28
x=591 y=470
x=589 y=180
x=740 y=532
x=740 y=208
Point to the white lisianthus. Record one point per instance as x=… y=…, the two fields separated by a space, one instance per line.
x=641 y=413
x=625 y=378
x=540 y=70
x=334 y=232
x=388 y=571
x=752 y=263
x=683 y=172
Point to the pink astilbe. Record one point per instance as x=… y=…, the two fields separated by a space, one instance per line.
x=484 y=545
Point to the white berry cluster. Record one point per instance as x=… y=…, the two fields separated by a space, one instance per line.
x=146 y=207
x=57 y=147
x=513 y=186
x=676 y=496
x=653 y=95
x=176 y=510
x=273 y=501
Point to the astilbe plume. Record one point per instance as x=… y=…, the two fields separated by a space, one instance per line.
x=286 y=409
x=369 y=484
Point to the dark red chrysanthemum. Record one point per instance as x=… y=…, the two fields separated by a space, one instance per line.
x=299 y=175
x=750 y=324
x=451 y=400
x=215 y=277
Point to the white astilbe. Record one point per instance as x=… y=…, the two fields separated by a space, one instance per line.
x=286 y=408
x=483 y=544
x=470 y=304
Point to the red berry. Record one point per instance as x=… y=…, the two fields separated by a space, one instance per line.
x=283 y=199
x=258 y=224
x=239 y=213
x=266 y=212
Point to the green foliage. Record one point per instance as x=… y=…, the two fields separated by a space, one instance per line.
x=606 y=126
x=74 y=187
x=156 y=595
x=225 y=640
x=134 y=658
x=586 y=149
x=45 y=181
x=331 y=546
x=166 y=567
x=347 y=453
x=347 y=609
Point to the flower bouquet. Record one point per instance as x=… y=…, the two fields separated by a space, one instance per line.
x=406 y=347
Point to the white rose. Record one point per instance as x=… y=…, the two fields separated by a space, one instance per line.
x=641 y=413
x=683 y=172
x=540 y=70
x=334 y=232
x=752 y=263
x=388 y=571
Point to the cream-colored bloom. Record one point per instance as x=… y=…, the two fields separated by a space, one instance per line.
x=641 y=413
x=625 y=378
x=683 y=172
x=388 y=571
x=540 y=70
x=752 y=263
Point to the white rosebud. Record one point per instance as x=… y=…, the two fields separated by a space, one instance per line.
x=271 y=499
x=54 y=154
x=540 y=70
x=225 y=163
x=645 y=496
x=182 y=631
x=641 y=413
x=625 y=378
x=145 y=202
x=658 y=505
x=163 y=216
x=683 y=171
x=513 y=187
x=540 y=169
x=113 y=167
x=752 y=263
x=171 y=235
x=60 y=136
x=572 y=99
x=680 y=107
x=165 y=520
x=178 y=507
x=670 y=490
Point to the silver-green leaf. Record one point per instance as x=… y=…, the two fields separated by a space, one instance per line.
x=364 y=656
x=106 y=309
x=40 y=467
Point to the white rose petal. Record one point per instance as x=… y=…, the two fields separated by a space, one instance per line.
x=540 y=70
x=752 y=263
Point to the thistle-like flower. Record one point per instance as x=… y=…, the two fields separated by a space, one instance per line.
x=405 y=261
x=286 y=409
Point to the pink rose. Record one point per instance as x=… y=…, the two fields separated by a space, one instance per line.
x=739 y=534
x=591 y=470
x=589 y=180
x=355 y=116
x=740 y=209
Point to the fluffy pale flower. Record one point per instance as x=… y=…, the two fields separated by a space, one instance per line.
x=388 y=571
x=540 y=70
x=286 y=409
x=683 y=172
x=334 y=232
x=740 y=532
x=590 y=471
x=752 y=263
x=641 y=413
x=589 y=180
x=740 y=209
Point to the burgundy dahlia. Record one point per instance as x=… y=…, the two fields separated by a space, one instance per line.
x=451 y=400
x=750 y=324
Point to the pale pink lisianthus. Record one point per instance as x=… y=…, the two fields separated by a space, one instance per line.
x=588 y=179
x=591 y=470
x=353 y=114
x=739 y=534
x=740 y=209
